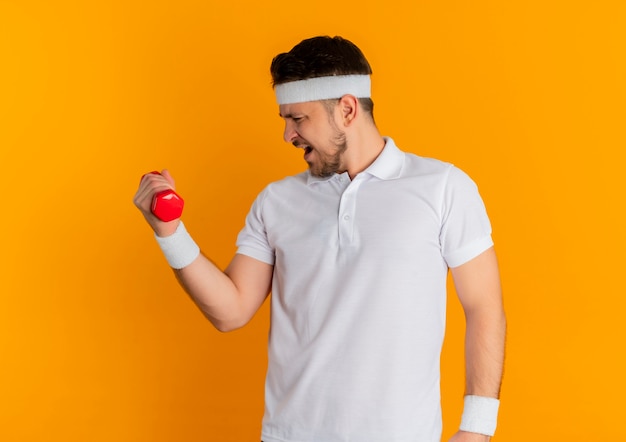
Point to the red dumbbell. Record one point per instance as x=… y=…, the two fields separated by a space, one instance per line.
x=167 y=205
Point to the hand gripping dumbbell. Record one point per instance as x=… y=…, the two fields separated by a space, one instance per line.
x=167 y=205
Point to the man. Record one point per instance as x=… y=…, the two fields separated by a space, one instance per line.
x=355 y=252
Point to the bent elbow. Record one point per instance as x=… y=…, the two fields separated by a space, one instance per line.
x=226 y=326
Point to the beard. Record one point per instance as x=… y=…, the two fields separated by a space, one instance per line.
x=327 y=164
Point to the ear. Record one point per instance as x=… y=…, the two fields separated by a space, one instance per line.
x=349 y=109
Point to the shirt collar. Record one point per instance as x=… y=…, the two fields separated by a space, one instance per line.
x=389 y=163
x=386 y=166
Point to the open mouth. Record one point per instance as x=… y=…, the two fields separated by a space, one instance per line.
x=306 y=148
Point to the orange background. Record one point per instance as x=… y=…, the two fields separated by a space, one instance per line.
x=98 y=343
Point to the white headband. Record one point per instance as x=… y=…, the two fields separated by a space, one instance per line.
x=323 y=88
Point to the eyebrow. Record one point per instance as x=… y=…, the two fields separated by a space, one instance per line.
x=289 y=115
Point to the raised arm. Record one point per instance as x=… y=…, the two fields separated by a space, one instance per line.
x=230 y=298
x=477 y=284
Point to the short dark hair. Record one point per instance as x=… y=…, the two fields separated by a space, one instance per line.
x=321 y=57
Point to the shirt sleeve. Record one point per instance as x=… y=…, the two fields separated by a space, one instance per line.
x=466 y=229
x=252 y=239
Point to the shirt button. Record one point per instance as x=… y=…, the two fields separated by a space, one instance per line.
x=346 y=217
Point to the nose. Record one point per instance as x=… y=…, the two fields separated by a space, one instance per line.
x=290 y=134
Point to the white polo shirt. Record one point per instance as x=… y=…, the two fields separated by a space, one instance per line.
x=359 y=296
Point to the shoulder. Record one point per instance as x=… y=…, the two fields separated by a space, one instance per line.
x=282 y=189
x=416 y=165
x=287 y=184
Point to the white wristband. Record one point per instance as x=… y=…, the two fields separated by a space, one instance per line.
x=179 y=249
x=480 y=415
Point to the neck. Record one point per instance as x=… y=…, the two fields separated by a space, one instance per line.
x=364 y=146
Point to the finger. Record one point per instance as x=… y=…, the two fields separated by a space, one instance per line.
x=168 y=176
x=154 y=172
x=151 y=183
x=154 y=181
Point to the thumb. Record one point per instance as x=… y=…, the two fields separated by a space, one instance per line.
x=166 y=174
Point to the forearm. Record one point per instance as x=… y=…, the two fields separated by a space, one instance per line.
x=227 y=298
x=210 y=288
x=484 y=351
x=213 y=292
x=484 y=356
